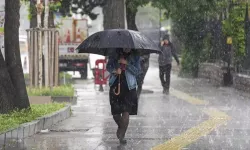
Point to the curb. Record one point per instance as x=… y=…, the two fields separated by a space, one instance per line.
x=59 y=99
x=31 y=128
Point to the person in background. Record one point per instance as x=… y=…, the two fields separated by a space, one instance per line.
x=25 y=63
x=144 y=62
x=124 y=69
x=165 y=62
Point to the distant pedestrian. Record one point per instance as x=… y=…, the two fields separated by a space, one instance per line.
x=25 y=63
x=165 y=62
x=124 y=68
x=144 y=62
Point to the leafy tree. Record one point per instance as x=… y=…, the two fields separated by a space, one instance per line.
x=131 y=10
x=85 y=7
x=66 y=8
x=189 y=22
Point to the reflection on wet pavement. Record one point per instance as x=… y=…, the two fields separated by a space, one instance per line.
x=195 y=116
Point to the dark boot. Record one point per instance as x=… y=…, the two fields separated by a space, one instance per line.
x=164 y=90
x=117 y=119
x=123 y=127
x=167 y=91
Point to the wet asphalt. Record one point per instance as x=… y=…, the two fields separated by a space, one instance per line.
x=196 y=115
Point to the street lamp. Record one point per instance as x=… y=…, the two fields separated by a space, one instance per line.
x=228 y=79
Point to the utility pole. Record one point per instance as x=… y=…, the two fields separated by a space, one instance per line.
x=228 y=75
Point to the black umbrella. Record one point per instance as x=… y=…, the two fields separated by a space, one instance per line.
x=105 y=42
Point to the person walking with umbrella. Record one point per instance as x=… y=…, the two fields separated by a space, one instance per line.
x=123 y=48
x=124 y=68
x=165 y=62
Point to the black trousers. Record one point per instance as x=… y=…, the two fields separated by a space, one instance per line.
x=165 y=72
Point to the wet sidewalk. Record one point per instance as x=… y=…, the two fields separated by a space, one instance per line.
x=196 y=115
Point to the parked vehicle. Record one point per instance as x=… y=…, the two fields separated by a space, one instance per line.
x=72 y=32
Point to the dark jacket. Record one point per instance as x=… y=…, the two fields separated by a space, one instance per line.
x=168 y=51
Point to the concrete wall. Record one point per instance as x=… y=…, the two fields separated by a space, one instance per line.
x=214 y=73
x=242 y=82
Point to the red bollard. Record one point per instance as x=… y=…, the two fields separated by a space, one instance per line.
x=100 y=73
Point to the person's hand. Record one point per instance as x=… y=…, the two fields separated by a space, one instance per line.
x=162 y=42
x=123 y=61
x=118 y=71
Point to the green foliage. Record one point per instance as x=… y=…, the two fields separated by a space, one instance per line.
x=85 y=7
x=234 y=27
x=68 y=78
x=32 y=11
x=207 y=50
x=15 y=118
x=189 y=25
x=66 y=90
x=150 y=14
x=55 y=6
x=67 y=7
x=187 y=63
x=134 y=4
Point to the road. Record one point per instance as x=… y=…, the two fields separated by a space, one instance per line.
x=196 y=115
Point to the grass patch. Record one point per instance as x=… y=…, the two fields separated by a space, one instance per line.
x=66 y=90
x=16 y=118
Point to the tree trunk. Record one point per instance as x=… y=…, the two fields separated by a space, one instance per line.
x=107 y=17
x=7 y=91
x=114 y=14
x=12 y=53
x=33 y=13
x=130 y=15
x=46 y=48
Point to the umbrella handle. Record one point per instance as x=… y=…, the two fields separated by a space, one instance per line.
x=119 y=90
x=119 y=87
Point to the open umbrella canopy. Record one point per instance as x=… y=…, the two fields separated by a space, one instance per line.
x=105 y=42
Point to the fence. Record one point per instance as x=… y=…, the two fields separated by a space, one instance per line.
x=43 y=58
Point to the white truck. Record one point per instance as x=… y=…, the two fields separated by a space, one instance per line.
x=72 y=32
